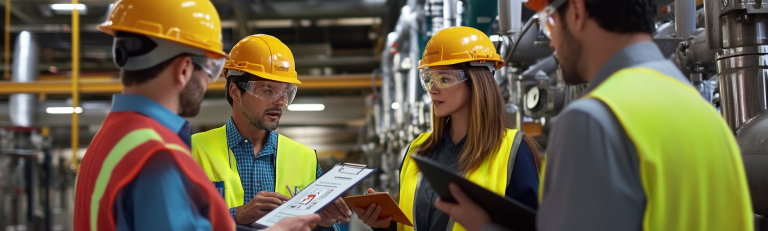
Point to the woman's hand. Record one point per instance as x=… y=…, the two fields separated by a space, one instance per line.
x=370 y=215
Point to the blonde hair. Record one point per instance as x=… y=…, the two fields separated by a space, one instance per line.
x=487 y=122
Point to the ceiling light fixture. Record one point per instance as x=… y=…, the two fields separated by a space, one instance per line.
x=63 y=110
x=306 y=107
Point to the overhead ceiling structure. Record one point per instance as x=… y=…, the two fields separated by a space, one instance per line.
x=335 y=44
x=348 y=28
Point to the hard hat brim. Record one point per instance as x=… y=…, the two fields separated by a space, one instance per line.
x=537 y=5
x=268 y=76
x=110 y=29
x=499 y=63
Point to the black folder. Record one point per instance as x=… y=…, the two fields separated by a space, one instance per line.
x=503 y=211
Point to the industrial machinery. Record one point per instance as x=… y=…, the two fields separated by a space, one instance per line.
x=721 y=45
x=35 y=184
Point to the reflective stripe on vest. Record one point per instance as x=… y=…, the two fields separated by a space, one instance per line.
x=296 y=164
x=493 y=174
x=690 y=165
x=126 y=144
x=117 y=154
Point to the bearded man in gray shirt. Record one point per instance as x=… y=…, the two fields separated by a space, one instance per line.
x=642 y=150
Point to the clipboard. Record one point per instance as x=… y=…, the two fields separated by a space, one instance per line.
x=503 y=211
x=389 y=207
x=319 y=194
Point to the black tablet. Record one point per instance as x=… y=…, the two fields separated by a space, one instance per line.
x=503 y=211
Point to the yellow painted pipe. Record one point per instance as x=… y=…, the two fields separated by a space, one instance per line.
x=108 y=85
x=75 y=82
x=7 y=53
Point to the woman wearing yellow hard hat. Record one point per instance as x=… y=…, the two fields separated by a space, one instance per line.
x=469 y=136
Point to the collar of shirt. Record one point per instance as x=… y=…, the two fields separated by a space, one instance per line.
x=234 y=138
x=448 y=140
x=154 y=110
x=630 y=56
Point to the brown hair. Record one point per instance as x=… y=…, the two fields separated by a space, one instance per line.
x=487 y=123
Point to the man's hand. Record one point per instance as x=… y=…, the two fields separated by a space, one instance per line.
x=370 y=215
x=298 y=223
x=466 y=212
x=336 y=211
x=260 y=205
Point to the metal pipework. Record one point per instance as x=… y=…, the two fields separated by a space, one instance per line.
x=22 y=106
x=685 y=18
x=743 y=74
x=414 y=52
x=694 y=56
x=712 y=23
x=524 y=49
x=742 y=66
x=743 y=29
x=450 y=13
x=752 y=142
x=510 y=16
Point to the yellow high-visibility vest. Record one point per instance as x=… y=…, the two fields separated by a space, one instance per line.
x=493 y=175
x=690 y=165
x=296 y=164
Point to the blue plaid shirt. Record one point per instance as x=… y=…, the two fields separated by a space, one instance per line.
x=256 y=173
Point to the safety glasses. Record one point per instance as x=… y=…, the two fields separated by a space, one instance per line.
x=211 y=66
x=270 y=91
x=441 y=78
x=546 y=21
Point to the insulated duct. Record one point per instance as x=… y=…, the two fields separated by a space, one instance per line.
x=24 y=69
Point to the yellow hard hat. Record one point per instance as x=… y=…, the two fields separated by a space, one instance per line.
x=455 y=45
x=193 y=23
x=264 y=56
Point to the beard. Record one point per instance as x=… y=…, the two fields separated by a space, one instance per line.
x=191 y=97
x=568 y=56
x=259 y=121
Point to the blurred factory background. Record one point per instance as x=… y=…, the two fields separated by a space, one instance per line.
x=360 y=100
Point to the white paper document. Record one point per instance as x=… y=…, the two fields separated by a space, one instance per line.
x=321 y=193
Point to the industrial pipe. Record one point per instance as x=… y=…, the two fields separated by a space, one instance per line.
x=685 y=18
x=75 y=80
x=22 y=106
x=450 y=13
x=510 y=16
x=7 y=53
x=414 y=52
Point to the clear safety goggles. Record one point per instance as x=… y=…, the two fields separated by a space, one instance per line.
x=212 y=66
x=441 y=78
x=270 y=91
x=546 y=21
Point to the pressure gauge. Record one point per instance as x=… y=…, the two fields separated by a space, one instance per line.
x=532 y=98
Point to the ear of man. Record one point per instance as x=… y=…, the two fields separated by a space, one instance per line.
x=182 y=69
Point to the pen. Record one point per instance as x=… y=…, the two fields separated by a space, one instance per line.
x=289 y=190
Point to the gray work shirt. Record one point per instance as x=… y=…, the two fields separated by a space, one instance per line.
x=592 y=179
x=593 y=175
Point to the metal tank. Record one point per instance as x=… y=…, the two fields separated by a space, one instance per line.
x=736 y=29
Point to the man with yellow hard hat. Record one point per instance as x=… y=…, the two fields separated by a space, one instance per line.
x=641 y=150
x=138 y=173
x=254 y=168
